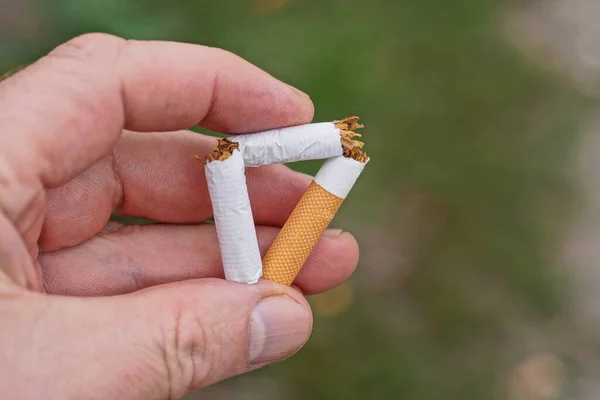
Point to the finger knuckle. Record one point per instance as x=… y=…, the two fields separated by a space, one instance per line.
x=191 y=348
x=225 y=56
x=88 y=46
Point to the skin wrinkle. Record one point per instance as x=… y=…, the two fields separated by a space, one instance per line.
x=185 y=349
x=11 y=177
x=213 y=96
x=45 y=282
x=28 y=275
x=116 y=62
x=30 y=228
x=212 y=112
x=208 y=357
x=137 y=278
x=164 y=351
x=119 y=193
x=181 y=364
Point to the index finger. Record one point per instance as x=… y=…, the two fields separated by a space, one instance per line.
x=66 y=111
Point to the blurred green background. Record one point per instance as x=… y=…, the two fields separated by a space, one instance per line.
x=461 y=292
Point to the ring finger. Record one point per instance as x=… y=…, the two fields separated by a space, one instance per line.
x=124 y=259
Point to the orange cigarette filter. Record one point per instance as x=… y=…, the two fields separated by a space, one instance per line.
x=300 y=234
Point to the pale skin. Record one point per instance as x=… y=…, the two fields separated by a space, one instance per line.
x=92 y=309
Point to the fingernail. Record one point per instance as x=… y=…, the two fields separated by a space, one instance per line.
x=334 y=233
x=279 y=327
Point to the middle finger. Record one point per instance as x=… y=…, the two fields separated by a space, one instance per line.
x=155 y=176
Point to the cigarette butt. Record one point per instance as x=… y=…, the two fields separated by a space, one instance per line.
x=299 y=143
x=311 y=216
x=234 y=222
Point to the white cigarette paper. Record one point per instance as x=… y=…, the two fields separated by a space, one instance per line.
x=296 y=143
x=233 y=219
x=339 y=174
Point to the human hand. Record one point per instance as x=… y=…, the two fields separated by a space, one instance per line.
x=93 y=309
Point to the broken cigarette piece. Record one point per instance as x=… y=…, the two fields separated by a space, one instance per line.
x=236 y=233
x=311 y=216
x=299 y=143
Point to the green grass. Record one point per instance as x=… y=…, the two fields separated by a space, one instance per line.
x=454 y=118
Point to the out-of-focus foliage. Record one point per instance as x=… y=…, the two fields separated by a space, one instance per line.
x=460 y=210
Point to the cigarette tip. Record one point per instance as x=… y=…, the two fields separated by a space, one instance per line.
x=222 y=151
x=351 y=147
x=348 y=123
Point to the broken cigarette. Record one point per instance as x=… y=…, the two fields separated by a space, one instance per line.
x=231 y=205
x=311 y=216
x=234 y=221
x=299 y=143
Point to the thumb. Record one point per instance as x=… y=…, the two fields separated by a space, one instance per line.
x=163 y=342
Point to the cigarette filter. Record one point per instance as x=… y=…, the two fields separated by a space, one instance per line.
x=233 y=217
x=311 y=216
x=298 y=143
